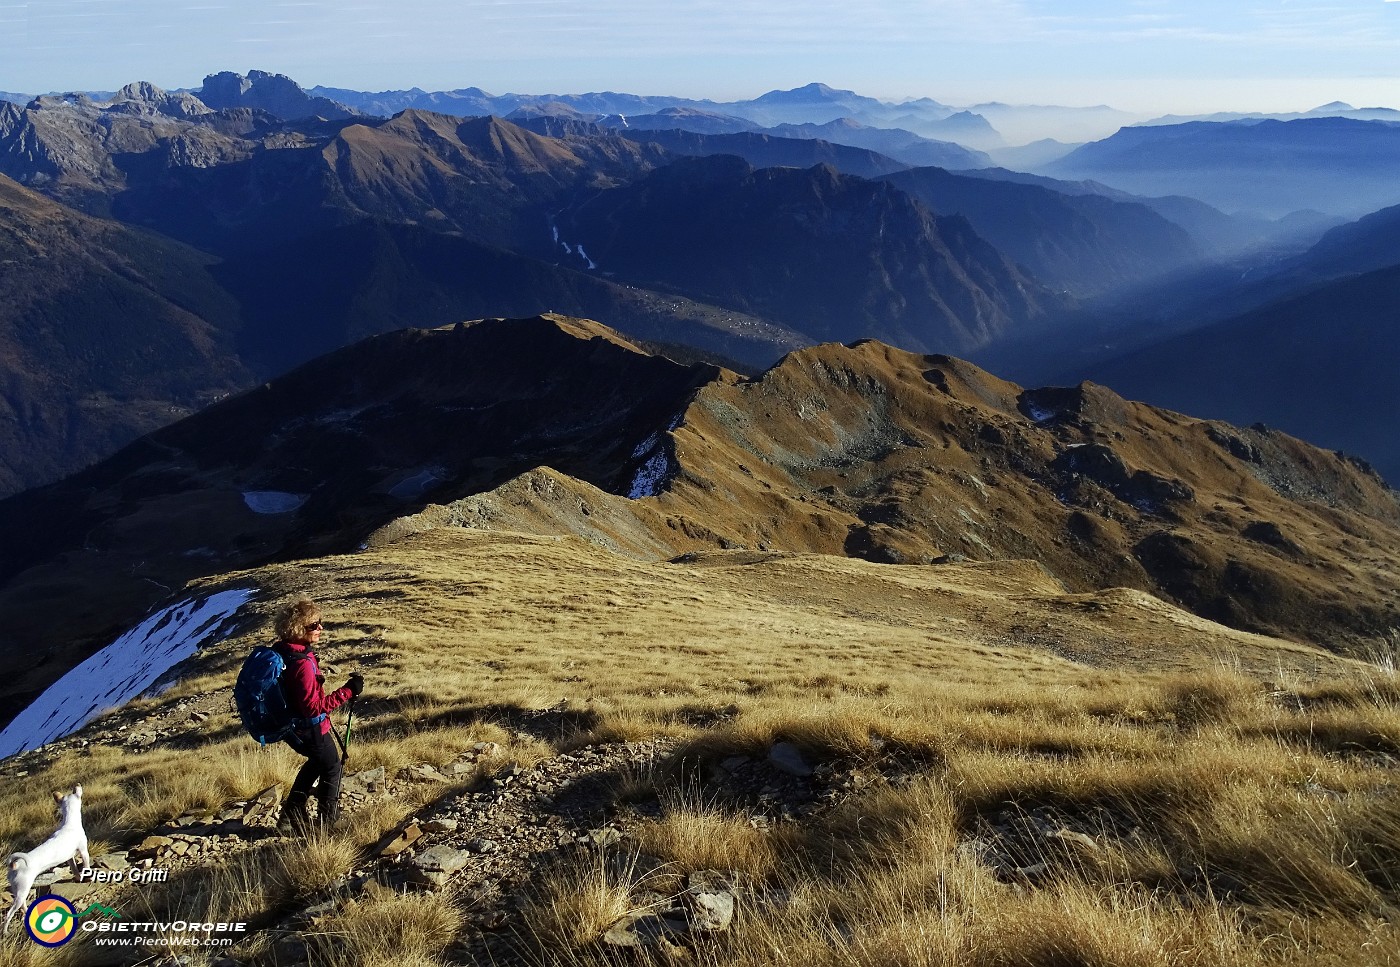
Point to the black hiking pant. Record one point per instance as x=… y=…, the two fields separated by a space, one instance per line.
x=321 y=773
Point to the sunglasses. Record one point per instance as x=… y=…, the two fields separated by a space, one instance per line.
x=315 y=627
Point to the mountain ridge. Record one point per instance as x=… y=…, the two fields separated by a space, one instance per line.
x=864 y=451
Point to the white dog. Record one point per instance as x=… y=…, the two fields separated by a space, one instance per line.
x=68 y=842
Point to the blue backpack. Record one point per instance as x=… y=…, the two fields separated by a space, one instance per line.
x=260 y=701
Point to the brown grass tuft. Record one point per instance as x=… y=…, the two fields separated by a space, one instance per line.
x=573 y=905
x=1210 y=698
x=388 y=929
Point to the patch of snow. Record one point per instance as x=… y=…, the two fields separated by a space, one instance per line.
x=272 y=501
x=121 y=671
x=646 y=445
x=1039 y=413
x=647 y=482
x=415 y=486
x=584 y=255
x=567 y=250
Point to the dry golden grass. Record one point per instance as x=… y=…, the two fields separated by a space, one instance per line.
x=1217 y=837
x=708 y=837
x=17 y=950
x=237 y=887
x=127 y=792
x=387 y=929
x=1232 y=798
x=573 y=905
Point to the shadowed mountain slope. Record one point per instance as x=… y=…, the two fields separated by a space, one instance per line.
x=335 y=287
x=1322 y=365
x=1369 y=243
x=108 y=332
x=105 y=333
x=1085 y=243
x=905 y=146
x=834 y=256
x=1210 y=228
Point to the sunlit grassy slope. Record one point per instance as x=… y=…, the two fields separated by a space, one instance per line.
x=1039 y=778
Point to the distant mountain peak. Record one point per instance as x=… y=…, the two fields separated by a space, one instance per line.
x=810 y=93
x=923 y=102
x=182 y=105
x=277 y=94
x=139 y=91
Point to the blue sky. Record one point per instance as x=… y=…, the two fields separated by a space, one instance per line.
x=1153 y=56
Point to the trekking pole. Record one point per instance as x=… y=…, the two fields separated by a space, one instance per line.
x=345 y=746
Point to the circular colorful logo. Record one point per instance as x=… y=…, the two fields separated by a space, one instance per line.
x=51 y=921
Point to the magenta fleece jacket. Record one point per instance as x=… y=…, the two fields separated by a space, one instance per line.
x=304 y=686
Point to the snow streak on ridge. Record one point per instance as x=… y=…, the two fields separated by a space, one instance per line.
x=122 y=670
x=647 y=481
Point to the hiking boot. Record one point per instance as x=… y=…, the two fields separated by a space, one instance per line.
x=327 y=823
x=293 y=821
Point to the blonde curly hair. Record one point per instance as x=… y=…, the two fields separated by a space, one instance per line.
x=295 y=621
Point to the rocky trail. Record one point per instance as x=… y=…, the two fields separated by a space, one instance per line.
x=490 y=831
x=486 y=826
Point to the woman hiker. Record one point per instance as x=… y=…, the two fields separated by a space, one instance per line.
x=298 y=631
